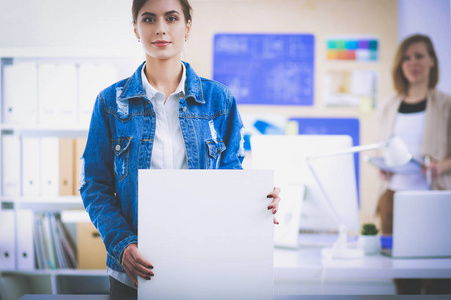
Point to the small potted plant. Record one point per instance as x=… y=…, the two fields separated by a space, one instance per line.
x=368 y=240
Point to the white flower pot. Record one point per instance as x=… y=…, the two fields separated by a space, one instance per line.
x=371 y=244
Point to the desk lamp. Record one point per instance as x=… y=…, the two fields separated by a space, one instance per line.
x=395 y=154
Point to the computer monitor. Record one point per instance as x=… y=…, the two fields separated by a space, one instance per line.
x=286 y=155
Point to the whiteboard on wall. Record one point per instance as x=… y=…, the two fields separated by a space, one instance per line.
x=208 y=234
x=268 y=69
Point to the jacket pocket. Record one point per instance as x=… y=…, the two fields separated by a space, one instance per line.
x=214 y=151
x=121 y=148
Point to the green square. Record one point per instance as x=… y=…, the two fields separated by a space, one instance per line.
x=341 y=44
x=331 y=44
x=373 y=45
x=373 y=54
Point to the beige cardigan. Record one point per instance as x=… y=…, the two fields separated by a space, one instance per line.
x=437 y=131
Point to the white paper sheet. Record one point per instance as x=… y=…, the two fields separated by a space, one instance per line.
x=208 y=234
x=410 y=167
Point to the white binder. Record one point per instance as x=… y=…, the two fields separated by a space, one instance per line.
x=49 y=166
x=7 y=241
x=46 y=92
x=11 y=165
x=67 y=94
x=57 y=93
x=20 y=93
x=31 y=163
x=25 y=244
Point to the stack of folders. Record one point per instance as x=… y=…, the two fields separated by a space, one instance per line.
x=47 y=166
x=56 y=93
x=53 y=247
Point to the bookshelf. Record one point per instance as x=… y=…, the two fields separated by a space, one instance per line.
x=46 y=100
x=59 y=282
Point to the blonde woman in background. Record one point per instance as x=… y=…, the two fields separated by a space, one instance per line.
x=421 y=116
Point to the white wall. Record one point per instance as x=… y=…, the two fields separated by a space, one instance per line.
x=430 y=17
x=66 y=23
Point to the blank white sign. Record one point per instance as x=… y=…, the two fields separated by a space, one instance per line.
x=208 y=234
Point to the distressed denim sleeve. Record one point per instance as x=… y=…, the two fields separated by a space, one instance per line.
x=98 y=185
x=233 y=156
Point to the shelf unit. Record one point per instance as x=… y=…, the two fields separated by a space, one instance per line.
x=44 y=203
x=60 y=281
x=57 y=281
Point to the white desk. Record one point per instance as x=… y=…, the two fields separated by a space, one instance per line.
x=304 y=271
x=296 y=272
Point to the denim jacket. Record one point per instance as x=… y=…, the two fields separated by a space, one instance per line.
x=120 y=142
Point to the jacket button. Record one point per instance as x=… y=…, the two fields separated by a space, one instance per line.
x=184 y=108
x=118 y=147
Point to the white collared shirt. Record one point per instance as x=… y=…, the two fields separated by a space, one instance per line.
x=168 y=151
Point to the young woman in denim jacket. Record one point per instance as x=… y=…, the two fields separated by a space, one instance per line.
x=163 y=116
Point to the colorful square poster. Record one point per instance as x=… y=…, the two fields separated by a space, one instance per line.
x=352 y=48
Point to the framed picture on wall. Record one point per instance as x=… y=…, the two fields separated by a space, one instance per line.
x=353 y=88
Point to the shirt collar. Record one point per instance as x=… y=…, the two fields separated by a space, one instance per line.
x=150 y=91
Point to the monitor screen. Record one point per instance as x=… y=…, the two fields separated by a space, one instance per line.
x=300 y=192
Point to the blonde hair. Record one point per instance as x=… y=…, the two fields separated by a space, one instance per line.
x=400 y=82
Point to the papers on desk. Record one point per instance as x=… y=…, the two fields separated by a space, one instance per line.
x=411 y=167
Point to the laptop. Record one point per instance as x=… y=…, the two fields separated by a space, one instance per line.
x=421 y=224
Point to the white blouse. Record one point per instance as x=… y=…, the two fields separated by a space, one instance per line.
x=409 y=127
x=168 y=151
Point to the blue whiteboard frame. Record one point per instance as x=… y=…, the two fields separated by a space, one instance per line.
x=347 y=126
x=266 y=69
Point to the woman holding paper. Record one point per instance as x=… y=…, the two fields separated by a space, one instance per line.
x=164 y=117
x=421 y=116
